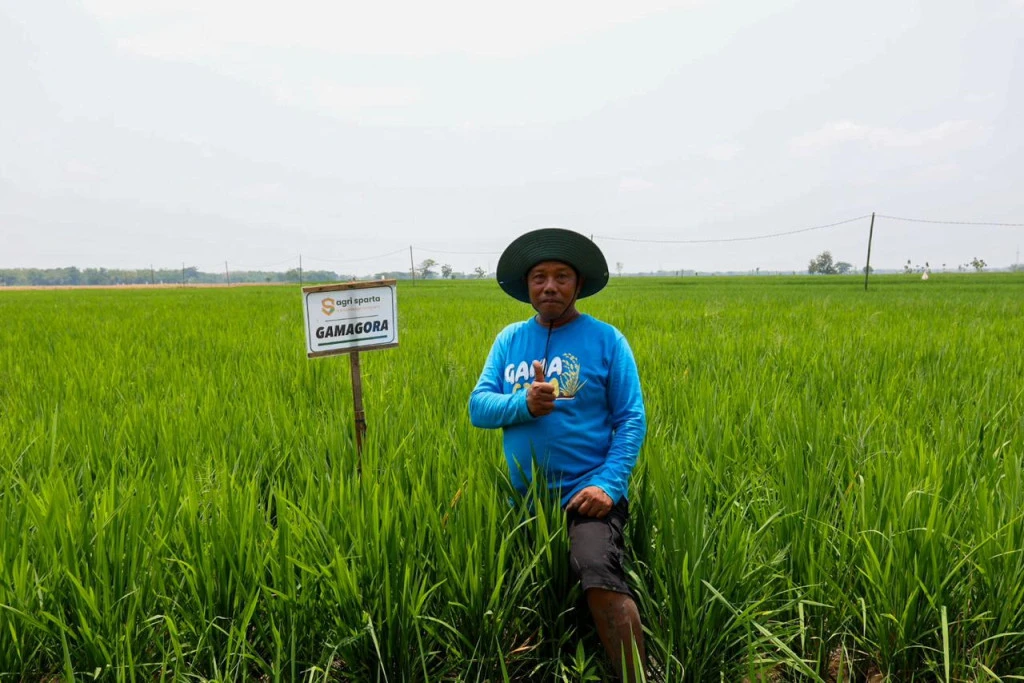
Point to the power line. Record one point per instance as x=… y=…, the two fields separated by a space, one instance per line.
x=266 y=265
x=736 y=239
x=354 y=260
x=458 y=253
x=922 y=220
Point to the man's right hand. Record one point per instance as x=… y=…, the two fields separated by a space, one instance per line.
x=540 y=396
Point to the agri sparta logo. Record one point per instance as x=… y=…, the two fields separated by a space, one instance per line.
x=327 y=306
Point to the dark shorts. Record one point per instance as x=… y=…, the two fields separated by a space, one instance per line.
x=597 y=548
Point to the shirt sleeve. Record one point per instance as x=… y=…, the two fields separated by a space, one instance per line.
x=489 y=406
x=629 y=422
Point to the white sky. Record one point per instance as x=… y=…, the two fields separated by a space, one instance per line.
x=166 y=131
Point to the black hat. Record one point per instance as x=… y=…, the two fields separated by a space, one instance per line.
x=551 y=244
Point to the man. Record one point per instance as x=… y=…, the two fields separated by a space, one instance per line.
x=565 y=391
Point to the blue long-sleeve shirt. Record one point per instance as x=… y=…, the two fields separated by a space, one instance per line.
x=594 y=434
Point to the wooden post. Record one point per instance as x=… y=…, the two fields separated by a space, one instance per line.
x=357 y=402
x=867 y=266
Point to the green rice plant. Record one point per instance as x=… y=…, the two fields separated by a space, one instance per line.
x=707 y=585
x=827 y=472
x=487 y=579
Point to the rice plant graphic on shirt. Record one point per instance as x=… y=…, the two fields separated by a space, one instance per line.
x=570 y=384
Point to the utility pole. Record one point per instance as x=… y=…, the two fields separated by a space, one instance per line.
x=152 y=275
x=227 y=275
x=412 y=265
x=300 y=269
x=867 y=265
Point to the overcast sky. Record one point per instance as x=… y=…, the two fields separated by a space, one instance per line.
x=138 y=132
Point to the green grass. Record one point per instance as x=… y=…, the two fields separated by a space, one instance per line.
x=826 y=470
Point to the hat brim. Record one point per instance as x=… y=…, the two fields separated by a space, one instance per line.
x=551 y=244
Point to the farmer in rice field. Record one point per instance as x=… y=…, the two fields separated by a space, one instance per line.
x=564 y=388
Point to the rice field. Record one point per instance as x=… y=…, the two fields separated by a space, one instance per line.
x=831 y=489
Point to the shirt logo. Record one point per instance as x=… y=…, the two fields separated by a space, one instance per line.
x=563 y=372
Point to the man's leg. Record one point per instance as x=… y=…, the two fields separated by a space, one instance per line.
x=618 y=625
x=596 y=549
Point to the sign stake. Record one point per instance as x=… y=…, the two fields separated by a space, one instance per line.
x=357 y=403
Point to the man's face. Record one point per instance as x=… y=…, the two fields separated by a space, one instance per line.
x=552 y=288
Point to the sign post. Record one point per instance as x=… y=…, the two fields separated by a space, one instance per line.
x=357 y=404
x=349 y=318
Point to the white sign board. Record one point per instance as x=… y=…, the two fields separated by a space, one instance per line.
x=350 y=317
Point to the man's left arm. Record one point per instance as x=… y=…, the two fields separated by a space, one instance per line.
x=629 y=420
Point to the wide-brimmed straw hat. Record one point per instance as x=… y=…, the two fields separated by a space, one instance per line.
x=551 y=244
